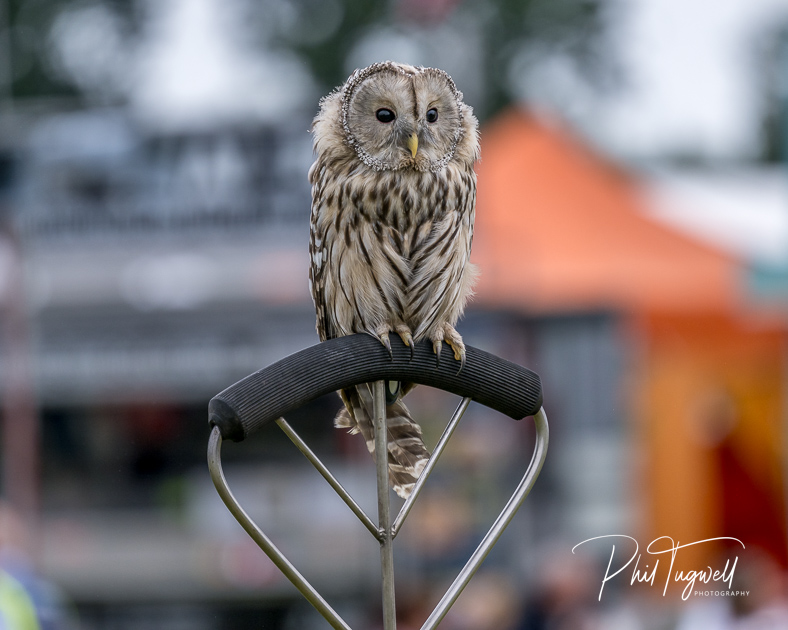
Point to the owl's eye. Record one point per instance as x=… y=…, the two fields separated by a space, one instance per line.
x=432 y=115
x=385 y=115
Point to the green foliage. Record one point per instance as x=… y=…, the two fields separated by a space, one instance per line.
x=25 y=27
x=327 y=58
x=324 y=33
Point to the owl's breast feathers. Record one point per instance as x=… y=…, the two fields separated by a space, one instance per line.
x=390 y=247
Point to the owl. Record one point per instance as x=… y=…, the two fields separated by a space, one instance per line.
x=393 y=204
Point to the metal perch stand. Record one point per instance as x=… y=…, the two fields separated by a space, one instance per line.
x=266 y=395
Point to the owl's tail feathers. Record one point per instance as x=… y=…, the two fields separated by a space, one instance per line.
x=407 y=454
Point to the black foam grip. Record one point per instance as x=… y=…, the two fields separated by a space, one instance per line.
x=268 y=394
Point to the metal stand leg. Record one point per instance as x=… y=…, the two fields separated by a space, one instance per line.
x=505 y=517
x=277 y=557
x=384 y=507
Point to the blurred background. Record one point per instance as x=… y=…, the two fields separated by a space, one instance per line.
x=632 y=233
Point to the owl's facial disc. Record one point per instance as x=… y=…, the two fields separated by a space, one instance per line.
x=398 y=117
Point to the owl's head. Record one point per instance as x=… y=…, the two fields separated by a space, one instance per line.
x=396 y=116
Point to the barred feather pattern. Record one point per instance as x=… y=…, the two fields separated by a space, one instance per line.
x=390 y=251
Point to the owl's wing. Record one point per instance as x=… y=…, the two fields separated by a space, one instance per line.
x=324 y=207
x=325 y=329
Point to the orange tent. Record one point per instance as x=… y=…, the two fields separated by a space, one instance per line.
x=559 y=228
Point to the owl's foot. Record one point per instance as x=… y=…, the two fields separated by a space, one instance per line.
x=382 y=333
x=453 y=338
x=404 y=332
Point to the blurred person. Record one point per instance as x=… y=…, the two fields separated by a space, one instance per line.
x=489 y=602
x=565 y=598
x=27 y=602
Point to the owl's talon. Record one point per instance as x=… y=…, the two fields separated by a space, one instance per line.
x=454 y=340
x=384 y=339
x=407 y=339
x=437 y=346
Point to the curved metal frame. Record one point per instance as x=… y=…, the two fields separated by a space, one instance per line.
x=384 y=531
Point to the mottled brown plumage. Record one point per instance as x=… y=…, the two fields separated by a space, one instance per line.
x=393 y=202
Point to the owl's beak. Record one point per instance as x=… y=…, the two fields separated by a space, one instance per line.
x=413 y=144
